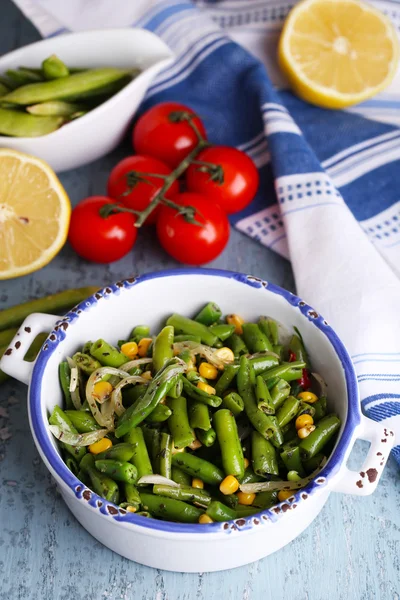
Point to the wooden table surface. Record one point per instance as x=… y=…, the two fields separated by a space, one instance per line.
x=350 y=552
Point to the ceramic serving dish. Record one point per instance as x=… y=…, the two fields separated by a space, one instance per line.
x=101 y=129
x=111 y=313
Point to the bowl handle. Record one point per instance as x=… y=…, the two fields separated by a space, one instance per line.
x=364 y=481
x=13 y=362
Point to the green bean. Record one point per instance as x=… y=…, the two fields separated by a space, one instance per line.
x=255 y=339
x=178 y=423
x=140 y=457
x=163 y=348
x=139 y=332
x=237 y=345
x=107 y=355
x=60 y=419
x=306 y=409
x=228 y=438
x=122 y=452
x=55 y=108
x=191 y=327
x=297 y=347
x=262 y=362
x=160 y=414
x=199 y=415
x=323 y=432
x=278 y=350
x=83 y=477
x=279 y=392
x=250 y=477
x=72 y=464
x=271 y=326
x=320 y=409
x=117 y=469
x=264 y=458
x=263 y=396
x=219 y=512
x=222 y=330
x=194 y=377
x=243 y=511
x=287 y=411
x=170 y=509
x=19 y=124
x=290 y=433
x=184 y=493
x=132 y=495
x=230 y=500
x=265 y=499
x=228 y=375
x=209 y=314
x=159 y=387
x=82 y=420
x=103 y=485
x=54 y=68
x=187 y=338
x=165 y=455
x=65 y=88
x=22 y=77
x=292 y=460
x=286 y=371
x=153 y=439
x=311 y=464
x=197 y=394
x=180 y=476
x=86 y=363
x=64 y=372
x=233 y=402
x=198 y=467
x=130 y=395
x=34 y=71
x=293 y=476
x=207 y=438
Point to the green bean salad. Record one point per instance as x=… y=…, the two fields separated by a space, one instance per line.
x=211 y=419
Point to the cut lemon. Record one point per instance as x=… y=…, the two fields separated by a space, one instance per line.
x=336 y=53
x=34 y=214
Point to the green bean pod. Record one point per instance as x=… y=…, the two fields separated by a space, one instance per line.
x=255 y=339
x=250 y=477
x=82 y=420
x=60 y=419
x=228 y=438
x=163 y=348
x=264 y=401
x=165 y=455
x=118 y=470
x=86 y=363
x=187 y=338
x=286 y=371
x=54 y=68
x=184 y=493
x=132 y=495
x=265 y=499
x=170 y=509
x=228 y=375
x=270 y=328
x=140 y=457
x=297 y=347
x=279 y=392
x=323 y=432
x=198 y=467
x=197 y=394
x=199 y=415
x=122 y=452
x=220 y=512
x=178 y=423
x=160 y=414
x=223 y=330
x=233 y=402
x=20 y=124
x=108 y=355
x=264 y=458
x=236 y=344
x=64 y=372
x=292 y=460
x=103 y=485
x=207 y=438
x=287 y=411
x=209 y=314
x=261 y=362
x=190 y=327
x=180 y=476
x=319 y=409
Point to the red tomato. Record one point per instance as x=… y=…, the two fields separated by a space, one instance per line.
x=189 y=243
x=142 y=193
x=99 y=239
x=155 y=134
x=234 y=182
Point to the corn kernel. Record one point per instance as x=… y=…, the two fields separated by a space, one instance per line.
x=100 y=446
x=305 y=431
x=225 y=354
x=208 y=371
x=130 y=349
x=237 y=322
x=197 y=483
x=203 y=519
x=147 y=375
x=229 y=485
x=102 y=390
x=143 y=346
x=308 y=397
x=303 y=421
x=246 y=499
x=206 y=388
x=284 y=495
x=246 y=463
x=195 y=445
x=131 y=509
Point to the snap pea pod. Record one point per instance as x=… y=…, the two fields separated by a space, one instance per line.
x=223 y=330
x=118 y=470
x=264 y=459
x=108 y=355
x=170 y=509
x=287 y=411
x=220 y=512
x=83 y=421
x=132 y=495
x=279 y=392
x=265 y=499
x=228 y=438
x=163 y=348
x=139 y=332
x=3 y=89
x=255 y=339
x=297 y=347
x=262 y=362
x=60 y=419
x=160 y=414
x=292 y=460
x=207 y=438
x=323 y=432
x=55 y=108
x=178 y=423
x=64 y=372
x=237 y=345
x=320 y=409
x=286 y=371
x=20 y=124
x=159 y=387
x=180 y=476
x=270 y=328
x=54 y=68
x=86 y=363
x=197 y=394
x=233 y=402
x=184 y=493
x=165 y=455
x=22 y=77
x=209 y=314
x=226 y=379
x=190 y=327
x=264 y=401
x=140 y=457
x=65 y=88
x=187 y=338
x=199 y=415
x=198 y=467
x=122 y=452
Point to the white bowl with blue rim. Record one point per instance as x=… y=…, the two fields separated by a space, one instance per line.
x=111 y=314
x=101 y=129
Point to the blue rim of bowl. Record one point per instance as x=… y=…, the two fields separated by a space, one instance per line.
x=267 y=516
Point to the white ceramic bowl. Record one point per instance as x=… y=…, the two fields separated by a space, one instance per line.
x=111 y=314
x=101 y=130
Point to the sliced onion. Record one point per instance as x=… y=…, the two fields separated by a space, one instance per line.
x=203 y=350
x=116 y=396
x=74 y=379
x=322 y=384
x=74 y=384
x=77 y=439
x=271 y=486
x=157 y=480
x=134 y=363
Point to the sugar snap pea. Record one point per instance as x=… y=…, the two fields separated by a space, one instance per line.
x=19 y=124
x=57 y=108
x=236 y=344
x=160 y=414
x=107 y=355
x=54 y=68
x=220 y=512
x=122 y=452
x=323 y=432
x=82 y=420
x=264 y=401
x=223 y=330
x=228 y=375
x=180 y=476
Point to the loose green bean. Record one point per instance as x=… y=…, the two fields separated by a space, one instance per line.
x=165 y=455
x=262 y=362
x=184 y=493
x=117 y=470
x=264 y=458
x=170 y=509
x=140 y=457
x=178 y=423
x=209 y=314
x=237 y=345
x=207 y=438
x=286 y=371
x=198 y=467
x=122 y=452
x=220 y=512
x=187 y=338
x=65 y=379
x=279 y=392
x=163 y=348
x=132 y=495
x=86 y=363
x=297 y=347
x=264 y=401
x=255 y=339
x=323 y=432
x=60 y=419
x=270 y=328
x=180 y=476
x=197 y=394
x=160 y=414
x=82 y=420
x=233 y=402
x=228 y=438
x=320 y=409
x=199 y=415
x=228 y=375
x=292 y=460
x=287 y=411
x=191 y=327
x=108 y=355
x=265 y=499
x=223 y=330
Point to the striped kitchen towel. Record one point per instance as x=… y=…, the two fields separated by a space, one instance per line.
x=330 y=180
